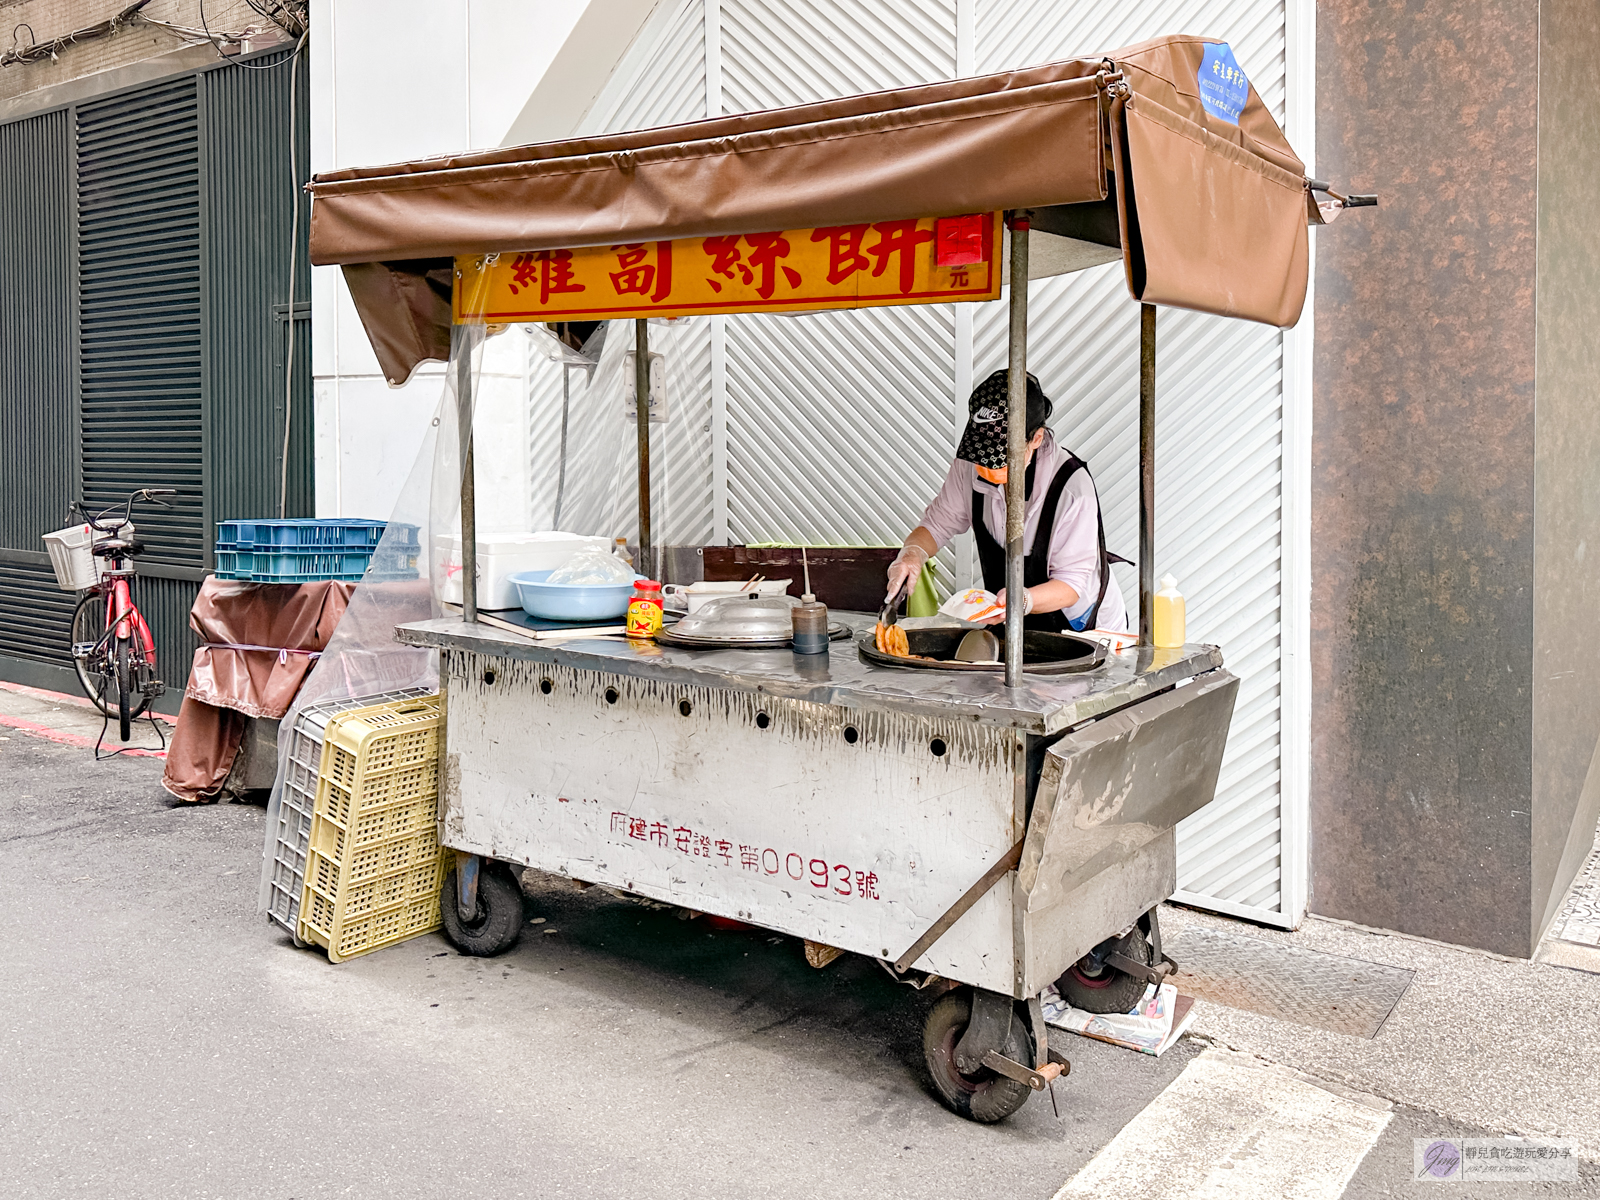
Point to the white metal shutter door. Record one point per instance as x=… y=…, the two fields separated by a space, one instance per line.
x=776 y=53
x=1017 y=33
x=839 y=427
x=838 y=424
x=661 y=81
x=1219 y=447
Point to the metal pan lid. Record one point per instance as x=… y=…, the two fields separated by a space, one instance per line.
x=739 y=618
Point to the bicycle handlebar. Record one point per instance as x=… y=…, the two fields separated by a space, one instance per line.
x=96 y=521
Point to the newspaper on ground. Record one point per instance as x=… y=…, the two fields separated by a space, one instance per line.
x=1159 y=1019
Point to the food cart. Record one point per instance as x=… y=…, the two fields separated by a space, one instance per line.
x=983 y=831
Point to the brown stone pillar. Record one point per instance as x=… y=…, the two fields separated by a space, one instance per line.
x=1456 y=467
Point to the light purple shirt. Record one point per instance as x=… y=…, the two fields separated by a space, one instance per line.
x=1074 y=542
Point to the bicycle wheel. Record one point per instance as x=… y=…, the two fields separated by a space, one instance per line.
x=125 y=701
x=96 y=671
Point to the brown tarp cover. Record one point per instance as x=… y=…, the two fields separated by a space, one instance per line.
x=228 y=685
x=1213 y=214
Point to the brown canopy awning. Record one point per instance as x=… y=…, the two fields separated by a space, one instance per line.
x=1212 y=215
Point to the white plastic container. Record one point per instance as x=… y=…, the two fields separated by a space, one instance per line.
x=71 y=554
x=501 y=555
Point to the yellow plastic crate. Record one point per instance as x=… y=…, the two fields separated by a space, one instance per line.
x=373 y=863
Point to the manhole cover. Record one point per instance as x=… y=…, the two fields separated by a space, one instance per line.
x=1346 y=995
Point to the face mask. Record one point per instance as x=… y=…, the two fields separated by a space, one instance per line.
x=999 y=475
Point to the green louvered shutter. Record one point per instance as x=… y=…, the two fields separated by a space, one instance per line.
x=140 y=330
x=38 y=438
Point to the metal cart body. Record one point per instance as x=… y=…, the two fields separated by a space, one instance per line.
x=832 y=800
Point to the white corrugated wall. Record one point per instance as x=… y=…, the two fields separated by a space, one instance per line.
x=814 y=452
x=839 y=427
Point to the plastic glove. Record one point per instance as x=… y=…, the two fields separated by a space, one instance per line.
x=904 y=569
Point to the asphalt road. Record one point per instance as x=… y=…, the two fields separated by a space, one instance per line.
x=161 y=1039
x=158 y=1038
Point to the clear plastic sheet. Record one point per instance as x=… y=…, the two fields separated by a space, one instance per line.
x=363 y=658
x=600 y=493
x=521 y=377
x=592 y=569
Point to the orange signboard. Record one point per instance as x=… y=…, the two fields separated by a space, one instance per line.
x=926 y=261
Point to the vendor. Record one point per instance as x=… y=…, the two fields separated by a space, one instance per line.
x=1067 y=570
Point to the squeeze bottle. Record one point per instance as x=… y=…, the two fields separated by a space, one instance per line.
x=1166 y=625
x=810 y=618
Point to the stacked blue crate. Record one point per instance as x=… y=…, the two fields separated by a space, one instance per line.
x=310 y=550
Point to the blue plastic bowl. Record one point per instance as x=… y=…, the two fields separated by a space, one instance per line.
x=571 y=601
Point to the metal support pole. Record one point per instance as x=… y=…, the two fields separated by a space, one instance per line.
x=641 y=393
x=1147 y=468
x=460 y=336
x=561 y=470
x=1016 y=447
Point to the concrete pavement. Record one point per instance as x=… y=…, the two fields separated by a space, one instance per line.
x=1476 y=1037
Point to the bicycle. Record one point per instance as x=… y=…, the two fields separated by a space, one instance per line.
x=112 y=648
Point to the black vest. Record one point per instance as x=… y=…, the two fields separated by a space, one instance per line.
x=1036 y=566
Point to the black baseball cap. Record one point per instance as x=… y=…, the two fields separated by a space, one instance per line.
x=984 y=440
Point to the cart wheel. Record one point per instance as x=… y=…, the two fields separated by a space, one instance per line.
x=498 y=922
x=984 y=1097
x=1104 y=989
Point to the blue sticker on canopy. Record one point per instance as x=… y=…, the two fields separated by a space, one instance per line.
x=1223 y=85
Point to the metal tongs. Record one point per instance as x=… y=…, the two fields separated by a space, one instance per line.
x=887 y=642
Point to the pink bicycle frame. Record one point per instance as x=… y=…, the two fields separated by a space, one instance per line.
x=125 y=620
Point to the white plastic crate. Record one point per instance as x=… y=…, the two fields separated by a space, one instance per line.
x=290 y=834
x=501 y=555
x=71 y=554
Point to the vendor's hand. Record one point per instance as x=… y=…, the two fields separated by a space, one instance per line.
x=997 y=618
x=903 y=571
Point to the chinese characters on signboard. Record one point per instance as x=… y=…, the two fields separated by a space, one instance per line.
x=924 y=261
x=823 y=875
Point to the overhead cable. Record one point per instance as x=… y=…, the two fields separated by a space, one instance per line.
x=37 y=51
x=289 y=16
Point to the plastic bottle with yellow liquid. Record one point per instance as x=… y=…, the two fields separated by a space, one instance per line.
x=1167 y=617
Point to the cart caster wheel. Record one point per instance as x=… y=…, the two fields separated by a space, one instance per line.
x=498 y=922
x=986 y=1096
x=1104 y=989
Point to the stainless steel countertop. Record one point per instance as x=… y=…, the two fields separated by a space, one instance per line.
x=1044 y=704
